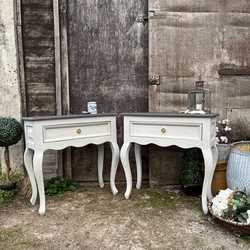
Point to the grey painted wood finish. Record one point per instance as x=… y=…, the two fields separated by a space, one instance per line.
x=61 y=117
x=172 y=114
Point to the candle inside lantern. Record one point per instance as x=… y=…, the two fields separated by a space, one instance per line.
x=199 y=99
x=199 y=106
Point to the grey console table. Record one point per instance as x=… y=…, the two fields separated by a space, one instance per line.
x=166 y=129
x=59 y=132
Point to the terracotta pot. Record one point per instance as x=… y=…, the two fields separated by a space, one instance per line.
x=219 y=180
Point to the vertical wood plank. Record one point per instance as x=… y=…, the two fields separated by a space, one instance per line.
x=65 y=88
x=20 y=56
x=57 y=57
x=154 y=98
x=64 y=57
x=39 y=65
x=59 y=155
x=39 y=56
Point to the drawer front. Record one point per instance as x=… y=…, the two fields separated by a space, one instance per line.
x=166 y=130
x=56 y=133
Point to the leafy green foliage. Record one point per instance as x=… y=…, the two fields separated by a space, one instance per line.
x=15 y=176
x=10 y=131
x=246 y=238
x=58 y=185
x=238 y=206
x=191 y=174
x=6 y=196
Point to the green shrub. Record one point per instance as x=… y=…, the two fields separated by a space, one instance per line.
x=6 y=196
x=58 y=185
x=10 y=131
x=191 y=174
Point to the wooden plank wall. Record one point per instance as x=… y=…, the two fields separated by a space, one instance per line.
x=39 y=65
x=188 y=39
x=108 y=63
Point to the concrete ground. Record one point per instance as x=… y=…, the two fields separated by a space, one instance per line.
x=91 y=218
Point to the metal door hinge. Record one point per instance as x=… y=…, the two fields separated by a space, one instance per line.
x=141 y=19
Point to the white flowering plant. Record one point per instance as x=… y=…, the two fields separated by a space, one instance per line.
x=223 y=132
x=232 y=205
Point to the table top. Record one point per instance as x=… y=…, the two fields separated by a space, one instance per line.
x=146 y=114
x=168 y=114
x=58 y=117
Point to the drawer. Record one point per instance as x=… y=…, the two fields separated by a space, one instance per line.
x=166 y=130
x=56 y=133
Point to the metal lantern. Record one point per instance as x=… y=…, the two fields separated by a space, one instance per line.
x=199 y=99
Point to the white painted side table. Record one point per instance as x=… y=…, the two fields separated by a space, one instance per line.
x=59 y=132
x=166 y=129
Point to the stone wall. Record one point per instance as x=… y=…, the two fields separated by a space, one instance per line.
x=10 y=102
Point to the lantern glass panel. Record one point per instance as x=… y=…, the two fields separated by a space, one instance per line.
x=199 y=99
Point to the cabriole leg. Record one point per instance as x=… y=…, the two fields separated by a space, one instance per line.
x=215 y=159
x=115 y=160
x=28 y=163
x=125 y=163
x=138 y=165
x=209 y=162
x=100 y=164
x=38 y=164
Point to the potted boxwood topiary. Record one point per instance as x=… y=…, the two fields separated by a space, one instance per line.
x=10 y=133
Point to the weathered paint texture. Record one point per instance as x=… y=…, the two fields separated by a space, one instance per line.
x=108 y=63
x=211 y=39
x=10 y=100
x=39 y=65
x=203 y=38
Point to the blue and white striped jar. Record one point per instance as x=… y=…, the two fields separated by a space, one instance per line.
x=92 y=107
x=238 y=167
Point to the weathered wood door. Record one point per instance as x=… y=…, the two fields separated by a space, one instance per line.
x=189 y=39
x=108 y=63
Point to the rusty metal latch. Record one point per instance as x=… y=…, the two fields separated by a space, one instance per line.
x=155 y=80
x=151 y=13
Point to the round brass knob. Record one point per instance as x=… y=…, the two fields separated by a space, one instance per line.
x=163 y=130
x=78 y=131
